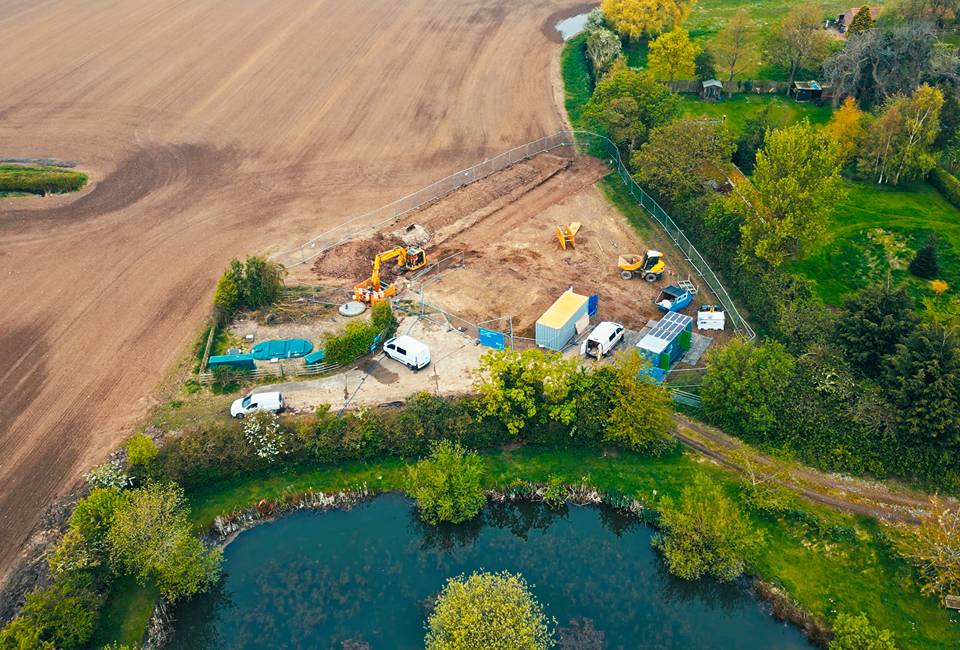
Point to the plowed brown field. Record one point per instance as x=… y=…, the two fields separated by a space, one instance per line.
x=212 y=129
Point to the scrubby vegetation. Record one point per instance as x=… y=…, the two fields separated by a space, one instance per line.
x=42 y=180
x=248 y=285
x=447 y=484
x=359 y=337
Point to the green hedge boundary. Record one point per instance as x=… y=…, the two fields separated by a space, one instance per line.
x=39 y=180
x=947 y=184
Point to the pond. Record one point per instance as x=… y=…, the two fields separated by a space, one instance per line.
x=570 y=27
x=363 y=578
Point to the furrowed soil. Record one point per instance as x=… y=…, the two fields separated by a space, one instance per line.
x=211 y=130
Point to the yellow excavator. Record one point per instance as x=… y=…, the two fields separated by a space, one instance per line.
x=373 y=290
x=649 y=266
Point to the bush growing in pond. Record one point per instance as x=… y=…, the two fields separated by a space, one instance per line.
x=704 y=534
x=150 y=538
x=446 y=485
x=856 y=633
x=488 y=611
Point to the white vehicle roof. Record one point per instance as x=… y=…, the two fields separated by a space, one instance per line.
x=409 y=343
x=603 y=330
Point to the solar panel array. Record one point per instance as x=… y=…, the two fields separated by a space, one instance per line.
x=670 y=326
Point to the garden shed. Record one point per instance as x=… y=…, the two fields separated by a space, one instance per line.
x=807 y=91
x=666 y=342
x=711 y=89
x=558 y=325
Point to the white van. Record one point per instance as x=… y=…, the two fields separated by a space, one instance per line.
x=602 y=339
x=257 y=402
x=408 y=351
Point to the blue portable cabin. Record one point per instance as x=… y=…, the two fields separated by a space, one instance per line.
x=666 y=343
x=673 y=298
x=315 y=357
x=558 y=325
x=238 y=361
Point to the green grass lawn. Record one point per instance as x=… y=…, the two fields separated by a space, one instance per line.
x=875 y=231
x=826 y=561
x=737 y=111
x=38 y=179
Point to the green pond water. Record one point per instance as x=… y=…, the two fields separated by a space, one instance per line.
x=363 y=578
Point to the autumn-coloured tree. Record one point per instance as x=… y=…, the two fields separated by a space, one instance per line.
x=672 y=56
x=899 y=144
x=637 y=18
x=846 y=127
x=799 y=41
x=731 y=48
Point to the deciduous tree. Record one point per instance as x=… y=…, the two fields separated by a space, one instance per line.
x=799 y=40
x=798 y=177
x=603 y=48
x=748 y=387
x=637 y=18
x=933 y=547
x=447 y=484
x=732 y=47
x=626 y=104
x=639 y=415
x=680 y=156
x=672 y=55
x=899 y=145
x=704 y=534
x=847 y=127
x=856 y=633
x=151 y=538
x=488 y=611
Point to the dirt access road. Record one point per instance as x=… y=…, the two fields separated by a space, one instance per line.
x=210 y=130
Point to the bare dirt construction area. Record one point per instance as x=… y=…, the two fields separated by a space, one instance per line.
x=506 y=227
x=212 y=130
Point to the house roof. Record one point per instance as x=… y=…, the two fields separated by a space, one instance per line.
x=665 y=331
x=712 y=83
x=807 y=85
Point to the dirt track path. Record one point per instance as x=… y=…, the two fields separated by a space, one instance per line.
x=856 y=496
x=211 y=130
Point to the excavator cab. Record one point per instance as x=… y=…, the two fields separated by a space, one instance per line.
x=650 y=266
x=414 y=259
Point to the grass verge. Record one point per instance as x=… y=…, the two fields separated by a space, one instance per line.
x=41 y=180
